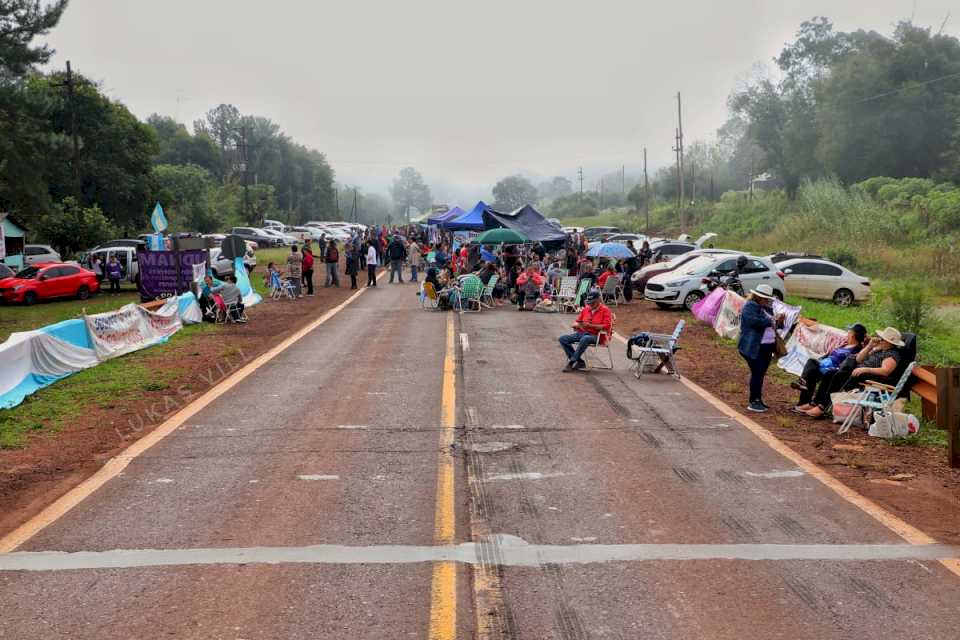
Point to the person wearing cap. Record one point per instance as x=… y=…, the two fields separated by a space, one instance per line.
x=877 y=361
x=817 y=370
x=594 y=318
x=758 y=341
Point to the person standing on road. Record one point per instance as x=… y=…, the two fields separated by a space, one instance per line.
x=308 y=266
x=97 y=266
x=353 y=264
x=332 y=260
x=396 y=252
x=371 y=264
x=594 y=318
x=758 y=341
x=114 y=274
x=416 y=259
x=295 y=270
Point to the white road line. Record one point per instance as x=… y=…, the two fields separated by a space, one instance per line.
x=790 y=473
x=315 y=477
x=465 y=342
x=510 y=552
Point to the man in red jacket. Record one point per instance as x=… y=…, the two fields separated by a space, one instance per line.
x=594 y=318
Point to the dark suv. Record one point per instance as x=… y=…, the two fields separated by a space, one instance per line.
x=262 y=239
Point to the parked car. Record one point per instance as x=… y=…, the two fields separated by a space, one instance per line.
x=623 y=238
x=126 y=256
x=782 y=256
x=314 y=233
x=6 y=272
x=37 y=253
x=572 y=230
x=43 y=281
x=255 y=235
x=683 y=287
x=594 y=233
x=222 y=267
x=824 y=280
x=122 y=242
x=285 y=238
x=642 y=276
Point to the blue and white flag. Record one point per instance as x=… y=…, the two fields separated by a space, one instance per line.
x=157 y=219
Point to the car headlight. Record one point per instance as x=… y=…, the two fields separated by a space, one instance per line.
x=677 y=283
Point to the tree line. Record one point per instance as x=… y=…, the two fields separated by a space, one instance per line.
x=78 y=166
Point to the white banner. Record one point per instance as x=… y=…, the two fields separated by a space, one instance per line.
x=727 y=323
x=810 y=342
x=130 y=328
x=3 y=238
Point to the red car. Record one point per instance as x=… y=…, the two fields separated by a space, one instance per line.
x=49 y=280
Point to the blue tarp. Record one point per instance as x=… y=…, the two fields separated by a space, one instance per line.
x=529 y=222
x=449 y=214
x=471 y=221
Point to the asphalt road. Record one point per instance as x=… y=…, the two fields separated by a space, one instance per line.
x=320 y=498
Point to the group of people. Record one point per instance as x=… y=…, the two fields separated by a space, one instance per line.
x=113 y=271
x=862 y=358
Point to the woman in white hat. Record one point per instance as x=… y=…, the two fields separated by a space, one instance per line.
x=758 y=341
x=877 y=361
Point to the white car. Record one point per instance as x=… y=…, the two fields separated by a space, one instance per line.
x=683 y=287
x=314 y=233
x=622 y=238
x=36 y=253
x=222 y=267
x=286 y=239
x=824 y=280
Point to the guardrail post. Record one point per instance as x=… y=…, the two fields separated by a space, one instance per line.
x=948 y=410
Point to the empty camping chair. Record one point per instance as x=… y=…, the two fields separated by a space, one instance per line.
x=488 y=291
x=657 y=347
x=428 y=297
x=876 y=396
x=471 y=291
x=577 y=301
x=567 y=291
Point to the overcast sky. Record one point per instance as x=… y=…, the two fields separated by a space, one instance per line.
x=467 y=92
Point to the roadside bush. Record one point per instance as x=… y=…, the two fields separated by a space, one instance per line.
x=843 y=255
x=911 y=307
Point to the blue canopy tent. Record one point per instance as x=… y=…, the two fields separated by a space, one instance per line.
x=470 y=221
x=449 y=214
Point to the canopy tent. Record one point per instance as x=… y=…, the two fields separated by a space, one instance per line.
x=501 y=236
x=530 y=223
x=470 y=221
x=449 y=214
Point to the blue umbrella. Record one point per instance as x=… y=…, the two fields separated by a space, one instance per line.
x=610 y=250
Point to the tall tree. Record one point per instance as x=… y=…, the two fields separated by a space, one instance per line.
x=409 y=191
x=513 y=192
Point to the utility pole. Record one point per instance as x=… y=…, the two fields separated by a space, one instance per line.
x=70 y=85
x=601 y=193
x=336 y=199
x=623 y=181
x=676 y=150
x=693 y=181
x=646 y=189
x=683 y=221
x=356 y=210
x=245 y=165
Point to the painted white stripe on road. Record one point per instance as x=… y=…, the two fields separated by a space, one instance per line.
x=464 y=342
x=510 y=552
x=530 y=475
x=794 y=473
x=314 y=477
x=352 y=427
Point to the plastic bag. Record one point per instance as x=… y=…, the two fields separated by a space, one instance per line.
x=841 y=410
x=707 y=309
x=893 y=425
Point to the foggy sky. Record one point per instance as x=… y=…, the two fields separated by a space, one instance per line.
x=467 y=92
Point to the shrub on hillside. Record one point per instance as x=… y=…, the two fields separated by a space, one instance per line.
x=911 y=306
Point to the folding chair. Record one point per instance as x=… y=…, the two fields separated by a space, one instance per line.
x=471 y=292
x=567 y=291
x=235 y=313
x=576 y=302
x=428 y=297
x=609 y=292
x=488 y=291
x=660 y=346
x=603 y=344
x=621 y=297
x=876 y=396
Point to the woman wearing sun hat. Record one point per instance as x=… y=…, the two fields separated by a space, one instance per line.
x=876 y=361
x=758 y=341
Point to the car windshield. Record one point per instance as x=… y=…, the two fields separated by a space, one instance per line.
x=699 y=264
x=29 y=273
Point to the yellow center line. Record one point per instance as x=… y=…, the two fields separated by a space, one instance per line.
x=443 y=596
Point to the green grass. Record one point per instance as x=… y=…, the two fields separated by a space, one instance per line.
x=108 y=385
x=22 y=318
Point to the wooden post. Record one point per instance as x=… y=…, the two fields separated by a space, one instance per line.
x=948 y=410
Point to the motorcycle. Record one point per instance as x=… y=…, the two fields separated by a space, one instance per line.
x=729 y=281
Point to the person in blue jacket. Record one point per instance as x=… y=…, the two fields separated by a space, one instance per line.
x=758 y=341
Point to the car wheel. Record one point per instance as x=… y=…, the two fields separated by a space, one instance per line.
x=692 y=298
x=29 y=298
x=83 y=293
x=843 y=298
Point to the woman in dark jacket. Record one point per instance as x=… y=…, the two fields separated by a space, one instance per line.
x=817 y=369
x=758 y=341
x=353 y=264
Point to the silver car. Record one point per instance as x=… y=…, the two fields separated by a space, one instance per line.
x=683 y=287
x=39 y=253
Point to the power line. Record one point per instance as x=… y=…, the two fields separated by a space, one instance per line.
x=902 y=89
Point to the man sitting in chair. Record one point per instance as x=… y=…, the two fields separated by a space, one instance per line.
x=594 y=318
